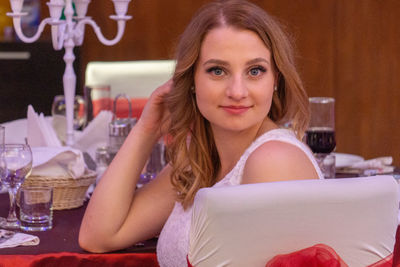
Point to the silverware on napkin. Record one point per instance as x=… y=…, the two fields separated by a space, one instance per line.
x=5 y=235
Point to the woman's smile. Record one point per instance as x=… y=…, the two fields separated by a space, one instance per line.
x=235 y=110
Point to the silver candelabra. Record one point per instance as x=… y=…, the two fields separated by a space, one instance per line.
x=69 y=33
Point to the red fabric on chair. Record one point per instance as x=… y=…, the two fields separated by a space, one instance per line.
x=81 y=260
x=396 y=252
x=101 y=104
x=316 y=256
x=188 y=262
x=137 y=107
x=385 y=262
x=319 y=255
x=122 y=106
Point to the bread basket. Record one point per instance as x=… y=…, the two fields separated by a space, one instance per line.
x=68 y=193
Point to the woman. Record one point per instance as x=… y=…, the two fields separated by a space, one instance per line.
x=234 y=85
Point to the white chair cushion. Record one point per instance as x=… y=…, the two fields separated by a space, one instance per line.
x=134 y=78
x=247 y=225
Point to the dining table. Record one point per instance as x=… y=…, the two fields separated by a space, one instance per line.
x=59 y=246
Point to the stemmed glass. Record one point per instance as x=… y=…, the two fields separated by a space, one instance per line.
x=58 y=109
x=59 y=120
x=15 y=165
x=320 y=136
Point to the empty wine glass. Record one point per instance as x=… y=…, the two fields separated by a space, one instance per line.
x=15 y=166
x=59 y=119
x=58 y=109
x=320 y=136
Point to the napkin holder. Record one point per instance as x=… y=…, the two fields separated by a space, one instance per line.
x=119 y=128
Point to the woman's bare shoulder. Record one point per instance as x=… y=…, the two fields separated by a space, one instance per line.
x=278 y=161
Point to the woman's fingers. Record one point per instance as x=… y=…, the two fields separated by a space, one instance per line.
x=155 y=113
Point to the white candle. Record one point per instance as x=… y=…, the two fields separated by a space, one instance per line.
x=57 y=2
x=16 y=5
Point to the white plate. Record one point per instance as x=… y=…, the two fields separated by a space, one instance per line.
x=344 y=160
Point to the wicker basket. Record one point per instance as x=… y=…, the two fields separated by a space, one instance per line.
x=68 y=193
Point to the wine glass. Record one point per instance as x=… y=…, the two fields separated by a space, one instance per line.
x=59 y=120
x=320 y=136
x=15 y=165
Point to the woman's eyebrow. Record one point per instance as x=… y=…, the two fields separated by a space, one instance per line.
x=225 y=63
x=216 y=61
x=257 y=60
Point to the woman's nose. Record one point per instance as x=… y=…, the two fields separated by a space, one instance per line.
x=236 y=88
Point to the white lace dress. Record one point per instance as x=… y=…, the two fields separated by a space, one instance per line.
x=173 y=242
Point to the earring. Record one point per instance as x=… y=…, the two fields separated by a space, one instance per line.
x=275 y=88
x=192 y=89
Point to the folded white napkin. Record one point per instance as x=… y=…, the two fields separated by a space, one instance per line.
x=95 y=134
x=58 y=162
x=39 y=131
x=9 y=239
x=379 y=165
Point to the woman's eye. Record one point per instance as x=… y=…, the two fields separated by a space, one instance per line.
x=215 y=71
x=257 y=71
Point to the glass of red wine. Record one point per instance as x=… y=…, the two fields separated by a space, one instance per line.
x=320 y=136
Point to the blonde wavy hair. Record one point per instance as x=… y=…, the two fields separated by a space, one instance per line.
x=192 y=152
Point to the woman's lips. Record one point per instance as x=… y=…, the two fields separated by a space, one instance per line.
x=236 y=110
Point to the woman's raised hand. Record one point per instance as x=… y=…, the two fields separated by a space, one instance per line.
x=155 y=115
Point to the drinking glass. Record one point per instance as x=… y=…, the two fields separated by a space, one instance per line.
x=2 y=141
x=36 y=208
x=15 y=166
x=320 y=136
x=58 y=110
x=154 y=165
x=97 y=98
x=2 y=135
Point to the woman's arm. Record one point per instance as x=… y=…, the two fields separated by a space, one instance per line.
x=117 y=216
x=277 y=161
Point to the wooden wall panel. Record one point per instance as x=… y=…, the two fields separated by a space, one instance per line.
x=367 y=78
x=348 y=49
x=311 y=25
x=151 y=34
x=156 y=26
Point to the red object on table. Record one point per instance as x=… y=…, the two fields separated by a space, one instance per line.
x=82 y=260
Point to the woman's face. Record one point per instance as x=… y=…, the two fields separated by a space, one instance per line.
x=234 y=79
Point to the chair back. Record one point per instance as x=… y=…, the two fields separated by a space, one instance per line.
x=137 y=79
x=247 y=225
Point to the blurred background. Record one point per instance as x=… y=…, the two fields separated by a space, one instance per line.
x=346 y=49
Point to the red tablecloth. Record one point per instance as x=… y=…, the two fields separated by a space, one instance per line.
x=81 y=260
